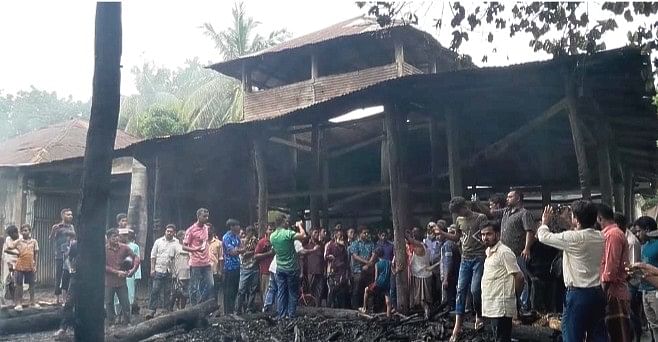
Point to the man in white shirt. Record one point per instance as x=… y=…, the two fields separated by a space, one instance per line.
x=162 y=261
x=582 y=247
x=502 y=280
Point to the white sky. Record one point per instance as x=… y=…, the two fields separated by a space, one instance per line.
x=49 y=44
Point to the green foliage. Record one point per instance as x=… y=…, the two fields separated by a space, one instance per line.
x=239 y=39
x=158 y=121
x=558 y=28
x=32 y=109
x=202 y=98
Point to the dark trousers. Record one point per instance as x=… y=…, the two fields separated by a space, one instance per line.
x=122 y=294
x=316 y=285
x=359 y=283
x=68 y=318
x=541 y=293
x=636 y=313
x=338 y=294
x=160 y=291
x=583 y=315
x=437 y=287
x=502 y=328
x=231 y=285
x=59 y=272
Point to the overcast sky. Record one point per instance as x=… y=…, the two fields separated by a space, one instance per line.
x=49 y=44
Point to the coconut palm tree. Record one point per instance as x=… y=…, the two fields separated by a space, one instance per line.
x=219 y=100
x=201 y=98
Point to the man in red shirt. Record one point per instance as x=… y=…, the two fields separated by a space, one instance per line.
x=315 y=265
x=120 y=263
x=336 y=256
x=613 y=277
x=196 y=242
x=264 y=255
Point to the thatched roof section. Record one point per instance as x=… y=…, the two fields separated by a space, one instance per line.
x=64 y=140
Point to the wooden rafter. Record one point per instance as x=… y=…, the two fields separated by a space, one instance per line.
x=292 y=144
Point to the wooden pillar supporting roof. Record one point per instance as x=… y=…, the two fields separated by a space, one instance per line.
x=261 y=176
x=578 y=139
x=435 y=166
x=316 y=182
x=454 y=161
x=605 y=171
x=395 y=124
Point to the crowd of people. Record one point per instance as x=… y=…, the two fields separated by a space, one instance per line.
x=498 y=262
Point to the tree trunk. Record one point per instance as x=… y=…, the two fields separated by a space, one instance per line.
x=33 y=323
x=189 y=317
x=399 y=205
x=96 y=172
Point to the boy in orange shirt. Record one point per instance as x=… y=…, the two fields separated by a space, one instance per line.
x=26 y=265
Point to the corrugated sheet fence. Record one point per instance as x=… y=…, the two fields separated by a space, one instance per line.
x=46 y=213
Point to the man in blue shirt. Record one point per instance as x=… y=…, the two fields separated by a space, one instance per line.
x=645 y=227
x=232 y=250
x=361 y=264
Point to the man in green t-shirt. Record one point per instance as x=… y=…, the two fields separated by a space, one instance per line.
x=287 y=265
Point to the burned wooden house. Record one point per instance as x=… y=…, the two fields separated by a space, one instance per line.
x=437 y=128
x=40 y=174
x=431 y=128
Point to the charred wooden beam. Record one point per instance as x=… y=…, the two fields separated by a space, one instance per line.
x=435 y=164
x=629 y=190
x=399 y=57
x=395 y=124
x=294 y=144
x=355 y=146
x=261 y=176
x=603 y=156
x=578 y=139
x=454 y=159
x=316 y=167
x=501 y=146
x=334 y=191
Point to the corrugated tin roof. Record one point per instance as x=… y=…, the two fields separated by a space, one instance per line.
x=349 y=28
x=64 y=140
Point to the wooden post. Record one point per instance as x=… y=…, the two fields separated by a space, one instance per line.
x=246 y=78
x=261 y=174
x=394 y=123
x=314 y=66
x=578 y=140
x=325 y=191
x=385 y=180
x=618 y=196
x=137 y=212
x=629 y=200
x=399 y=57
x=316 y=142
x=454 y=161
x=435 y=147
x=605 y=174
x=96 y=173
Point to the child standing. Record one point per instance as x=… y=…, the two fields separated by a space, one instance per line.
x=26 y=266
x=181 y=275
x=382 y=283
